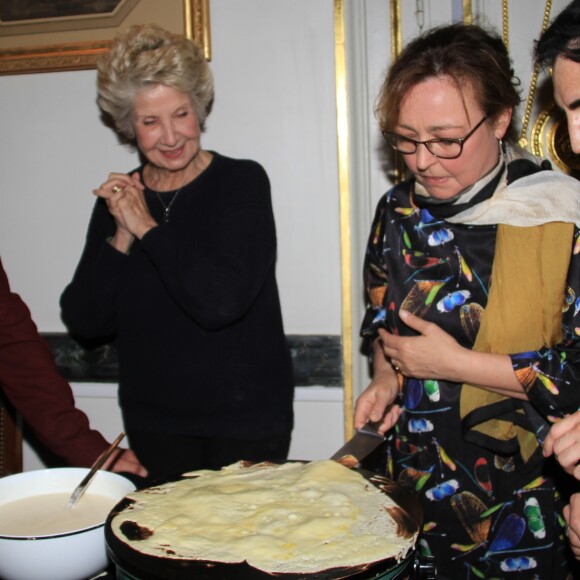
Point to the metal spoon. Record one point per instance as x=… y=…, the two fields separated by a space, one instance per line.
x=82 y=486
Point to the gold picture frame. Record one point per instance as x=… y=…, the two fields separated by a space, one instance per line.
x=73 y=42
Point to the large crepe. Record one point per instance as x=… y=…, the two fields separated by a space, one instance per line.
x=289 y=518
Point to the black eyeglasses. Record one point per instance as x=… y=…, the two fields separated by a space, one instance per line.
x=443 y=148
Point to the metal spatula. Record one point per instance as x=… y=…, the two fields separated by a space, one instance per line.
x=364 y=441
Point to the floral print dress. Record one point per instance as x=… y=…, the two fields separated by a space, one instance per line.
x=485 y=515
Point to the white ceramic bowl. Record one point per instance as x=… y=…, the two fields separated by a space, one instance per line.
x=74 y=555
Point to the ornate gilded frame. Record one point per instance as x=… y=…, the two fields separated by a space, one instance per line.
x=550 y=139
x=59 y=44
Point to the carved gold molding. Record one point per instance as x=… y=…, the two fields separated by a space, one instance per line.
x=396 y=29
x=550 y=139
x=548 y=136
x=467 y=12
x=399 y=168
x=505 y=22
x=197 y=24
x=66 y=56
x=524 y=141
x=344 y=199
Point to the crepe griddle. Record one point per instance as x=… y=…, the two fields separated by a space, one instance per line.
x=132 y=564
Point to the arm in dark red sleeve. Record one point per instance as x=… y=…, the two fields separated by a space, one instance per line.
x=32 y=383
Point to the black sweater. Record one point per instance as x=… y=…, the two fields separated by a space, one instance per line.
x=194 y=307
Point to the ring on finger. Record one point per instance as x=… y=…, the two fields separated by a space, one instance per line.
x=116 y=189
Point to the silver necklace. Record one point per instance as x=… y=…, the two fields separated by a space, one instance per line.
x=167 y=207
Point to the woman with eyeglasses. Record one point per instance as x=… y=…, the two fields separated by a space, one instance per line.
x=473 y=280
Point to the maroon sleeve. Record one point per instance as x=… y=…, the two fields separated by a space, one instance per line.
x=32 y=383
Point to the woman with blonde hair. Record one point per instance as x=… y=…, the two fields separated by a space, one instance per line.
x=179 y=266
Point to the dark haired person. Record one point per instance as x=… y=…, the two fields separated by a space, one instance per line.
x=468 y=264
x=179 y=264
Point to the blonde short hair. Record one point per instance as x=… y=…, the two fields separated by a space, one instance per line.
x=146 y=55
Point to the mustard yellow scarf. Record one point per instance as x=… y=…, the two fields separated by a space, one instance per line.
x=524 y=312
